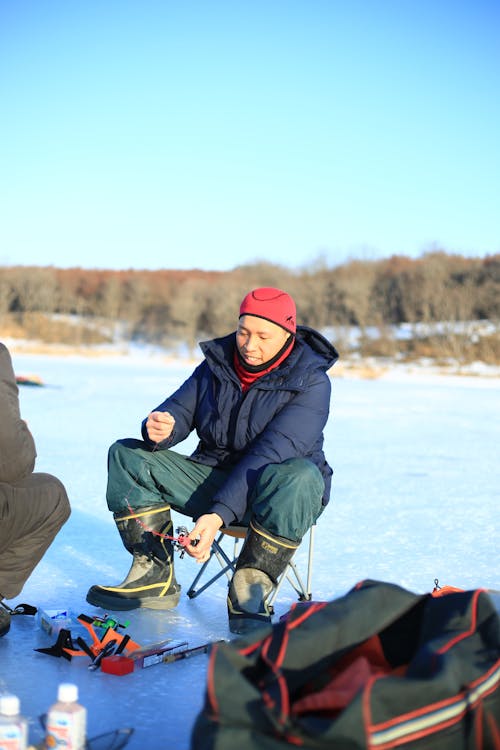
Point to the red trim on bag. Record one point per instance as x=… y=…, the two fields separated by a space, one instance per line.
x=432 y=708
x=494 y=730
x=307 y=612
x=247 y=650
x=486 y=676
x=284 y=630
x=428 y=711
x=472 y=628
x=292 y=739
x=401 y=719
x=367 y=712
x=444 y=590
x=270 y=703
x=283 y=647
x=281 y=682
x=478 y=725
x=214 y=704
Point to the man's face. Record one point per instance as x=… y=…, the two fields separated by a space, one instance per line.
x=258 y=340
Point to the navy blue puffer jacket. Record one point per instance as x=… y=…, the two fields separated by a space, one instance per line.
x=282 y=415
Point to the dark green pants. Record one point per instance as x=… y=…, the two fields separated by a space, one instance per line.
x=286 y=499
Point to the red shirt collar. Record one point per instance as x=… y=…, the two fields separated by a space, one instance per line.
x=246 y=378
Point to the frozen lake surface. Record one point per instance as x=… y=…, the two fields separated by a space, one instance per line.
x=415 y=497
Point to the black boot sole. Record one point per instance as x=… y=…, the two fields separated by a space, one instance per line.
x=116 y=602
x=241 y=625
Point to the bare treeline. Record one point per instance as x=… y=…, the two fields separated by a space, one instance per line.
x=163 y=306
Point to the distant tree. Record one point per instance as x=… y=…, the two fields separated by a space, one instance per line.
x=165 y=305
x=7 y=295
x=355 y=281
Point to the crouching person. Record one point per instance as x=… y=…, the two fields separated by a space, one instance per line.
x=259 y=402
x=33 y=506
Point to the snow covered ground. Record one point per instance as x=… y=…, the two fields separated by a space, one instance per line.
x=415 y=497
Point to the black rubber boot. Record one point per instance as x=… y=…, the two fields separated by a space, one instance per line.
x=151 y=580
x=4 y=619
x=260 y=563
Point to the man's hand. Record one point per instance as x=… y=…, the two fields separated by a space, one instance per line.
x=205 y=530
x=159 y=425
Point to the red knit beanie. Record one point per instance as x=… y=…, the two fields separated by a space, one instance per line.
x=271 y=304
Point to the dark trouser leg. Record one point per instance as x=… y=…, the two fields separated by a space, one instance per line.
x=286 y=502
x=31 y=511
x=139 y=478
x=287 y=499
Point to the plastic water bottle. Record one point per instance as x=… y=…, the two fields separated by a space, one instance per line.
x=66 y=720
x=13 y=726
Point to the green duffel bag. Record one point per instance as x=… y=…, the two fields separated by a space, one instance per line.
x=378 y=668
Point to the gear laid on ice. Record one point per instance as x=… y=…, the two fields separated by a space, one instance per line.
x=7 y=612
x=151 y=579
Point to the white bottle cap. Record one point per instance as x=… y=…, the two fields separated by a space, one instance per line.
x=67 y=692
x=9 y=705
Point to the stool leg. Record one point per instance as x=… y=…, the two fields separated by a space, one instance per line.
x=227 y=565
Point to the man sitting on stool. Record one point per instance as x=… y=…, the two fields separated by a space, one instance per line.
x=259 y=402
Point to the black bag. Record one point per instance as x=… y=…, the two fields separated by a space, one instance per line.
x=378 y=668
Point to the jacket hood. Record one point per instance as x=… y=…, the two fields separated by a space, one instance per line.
x=319 y=344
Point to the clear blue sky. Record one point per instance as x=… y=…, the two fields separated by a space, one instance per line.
x=207 y=134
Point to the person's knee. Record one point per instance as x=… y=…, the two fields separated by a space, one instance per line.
x=63 y=508
x=57 y=501
x=130 y=481
x=288 y=498
x=126 y=451
x=299 y=472
x=116 y=450
x=305 y=470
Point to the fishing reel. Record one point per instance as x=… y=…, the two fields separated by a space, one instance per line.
x=182 y=540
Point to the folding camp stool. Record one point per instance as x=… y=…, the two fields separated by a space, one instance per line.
x=228 y=566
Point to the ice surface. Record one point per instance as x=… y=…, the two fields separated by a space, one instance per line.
x=415 y=497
